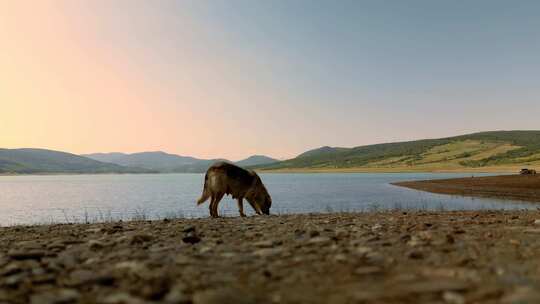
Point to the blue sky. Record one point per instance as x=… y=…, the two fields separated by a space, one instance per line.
x=233 y=78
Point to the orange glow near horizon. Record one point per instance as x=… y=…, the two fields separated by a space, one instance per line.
x=61 y=88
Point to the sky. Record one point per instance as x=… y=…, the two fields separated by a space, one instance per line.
x=232 y=78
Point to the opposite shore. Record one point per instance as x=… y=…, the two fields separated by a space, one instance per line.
x=515 y=187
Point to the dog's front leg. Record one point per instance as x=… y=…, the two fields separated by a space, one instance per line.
x=241 y=207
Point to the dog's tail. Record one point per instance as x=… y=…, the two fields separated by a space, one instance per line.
x=205 y=194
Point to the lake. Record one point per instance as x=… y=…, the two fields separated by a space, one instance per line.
x=80 y=198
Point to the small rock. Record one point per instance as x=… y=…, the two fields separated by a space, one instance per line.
x=437 y=286
x=15 y=279
x=319 y=240
x=132 y=266
x=121 y=298
x=182 y=259
x=93 y=230
x=363 y=251
x=224 y=295
x=140 y=239
x=415 y=254
x=11 y=268
x=340 y=257
x=264 y=244
x=267 y=252
x=453 y=297
x=536 y=222
x=192 y=239
x=177 y=296
x=189 y=229
x=368 y=270
x=83 y=277
x=60 y=296
x=27 y=255
x=523 y=294
x=95 y=244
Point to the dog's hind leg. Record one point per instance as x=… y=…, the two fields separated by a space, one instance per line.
x=215 y=204
x=210 y=206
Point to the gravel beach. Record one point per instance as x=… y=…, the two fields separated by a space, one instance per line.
x=387 y=257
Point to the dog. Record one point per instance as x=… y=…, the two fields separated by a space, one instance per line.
x=225 y=178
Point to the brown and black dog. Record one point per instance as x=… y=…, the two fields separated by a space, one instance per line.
x=225 y=178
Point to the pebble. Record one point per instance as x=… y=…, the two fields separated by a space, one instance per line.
x=121 y=298
x=319 y=240
x=451 y=297
x=267 y=252
x=26 y=255
x=140 y=239
x=368 y=270
x=191 y=239
x=59 y=296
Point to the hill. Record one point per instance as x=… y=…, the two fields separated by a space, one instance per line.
x=26 y=161
x=158 y=160
x=495 y=150
x=172 y=163
x=255 y=160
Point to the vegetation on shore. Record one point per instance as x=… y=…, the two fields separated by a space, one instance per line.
x=496 y=151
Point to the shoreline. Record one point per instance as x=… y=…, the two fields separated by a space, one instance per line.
x=381 y=257
x=299 y=171
x=494 y=170
x=514 y=187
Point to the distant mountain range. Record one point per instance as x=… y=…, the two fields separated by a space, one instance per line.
x=41 y=161
x=485 y=151
x=168 y=163
x=34 y=161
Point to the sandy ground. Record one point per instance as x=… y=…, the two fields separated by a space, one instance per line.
x=390 y=257
x=521 y=187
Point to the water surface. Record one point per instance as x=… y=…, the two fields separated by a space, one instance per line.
x=79 y=198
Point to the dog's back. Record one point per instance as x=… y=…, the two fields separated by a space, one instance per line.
x=226 y=178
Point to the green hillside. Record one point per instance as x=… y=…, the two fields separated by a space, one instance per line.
x=506 y=150
x=27 y=161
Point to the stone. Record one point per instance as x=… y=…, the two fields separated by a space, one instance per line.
x=267 y=252
x=121 y=298
x=451 y=297
x=84 y=277
x=189 y=229
x=140 y=238
x=367 y=270
x=177 y=296
x=264 y=244
x=95 y=244
x=27 y=255
x=415 y=254
x=191 y=239
x=224 y=296
x=59 y=296
x=319 y=240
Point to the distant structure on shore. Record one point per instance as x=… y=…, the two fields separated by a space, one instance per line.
x=526 y=171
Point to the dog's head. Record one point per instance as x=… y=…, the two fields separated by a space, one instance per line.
x=261 y=198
